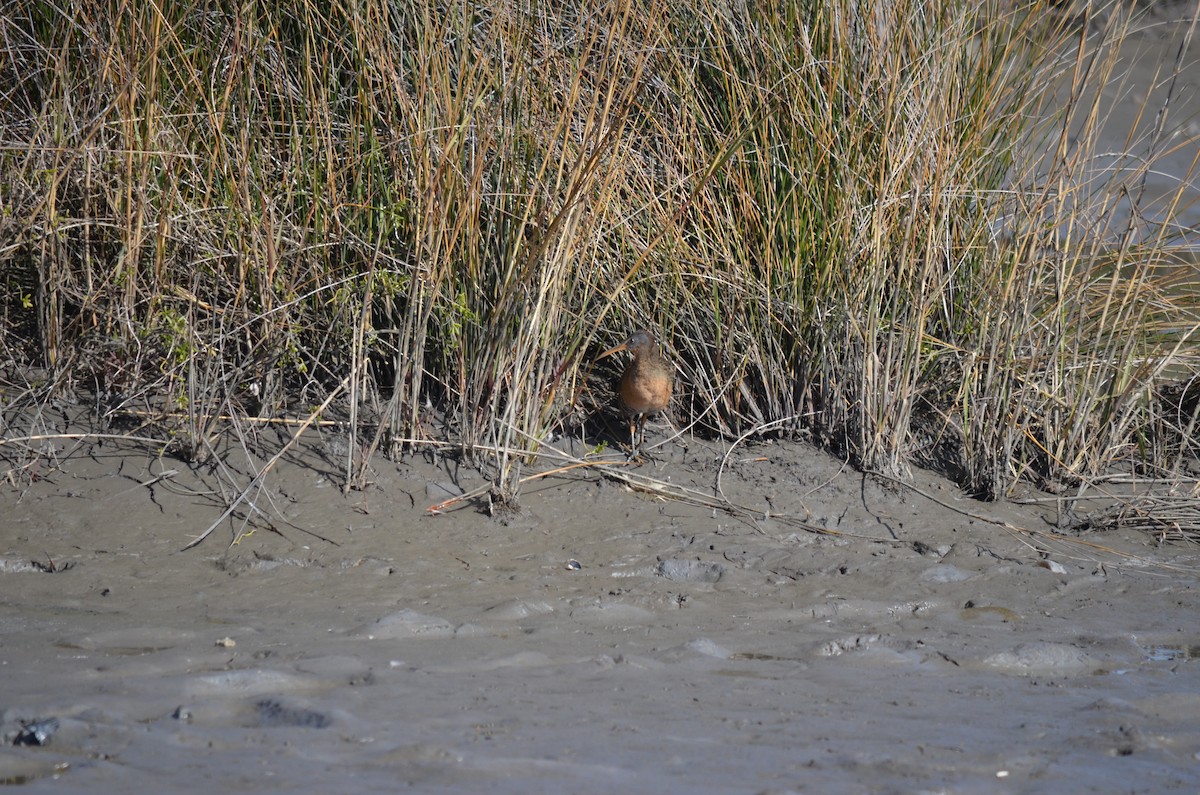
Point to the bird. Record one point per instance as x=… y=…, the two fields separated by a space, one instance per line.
x=645 y=386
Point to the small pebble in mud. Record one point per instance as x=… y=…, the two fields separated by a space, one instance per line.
x=1052 y=565
x=36 y=732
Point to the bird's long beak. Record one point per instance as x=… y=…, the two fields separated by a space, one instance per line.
x=617 y=349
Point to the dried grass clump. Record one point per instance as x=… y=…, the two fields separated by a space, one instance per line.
x=1168 y=518
x=873 y=225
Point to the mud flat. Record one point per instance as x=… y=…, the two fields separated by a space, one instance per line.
x=599 y=640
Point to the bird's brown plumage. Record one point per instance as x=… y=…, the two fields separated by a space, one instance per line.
x=645 y=387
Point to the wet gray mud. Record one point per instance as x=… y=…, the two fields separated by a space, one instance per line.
x=601 y=639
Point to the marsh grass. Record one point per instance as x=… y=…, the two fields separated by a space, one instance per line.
x=876 y=226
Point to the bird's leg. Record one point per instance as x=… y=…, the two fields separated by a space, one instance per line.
x=633 y=446
x=637 y=437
